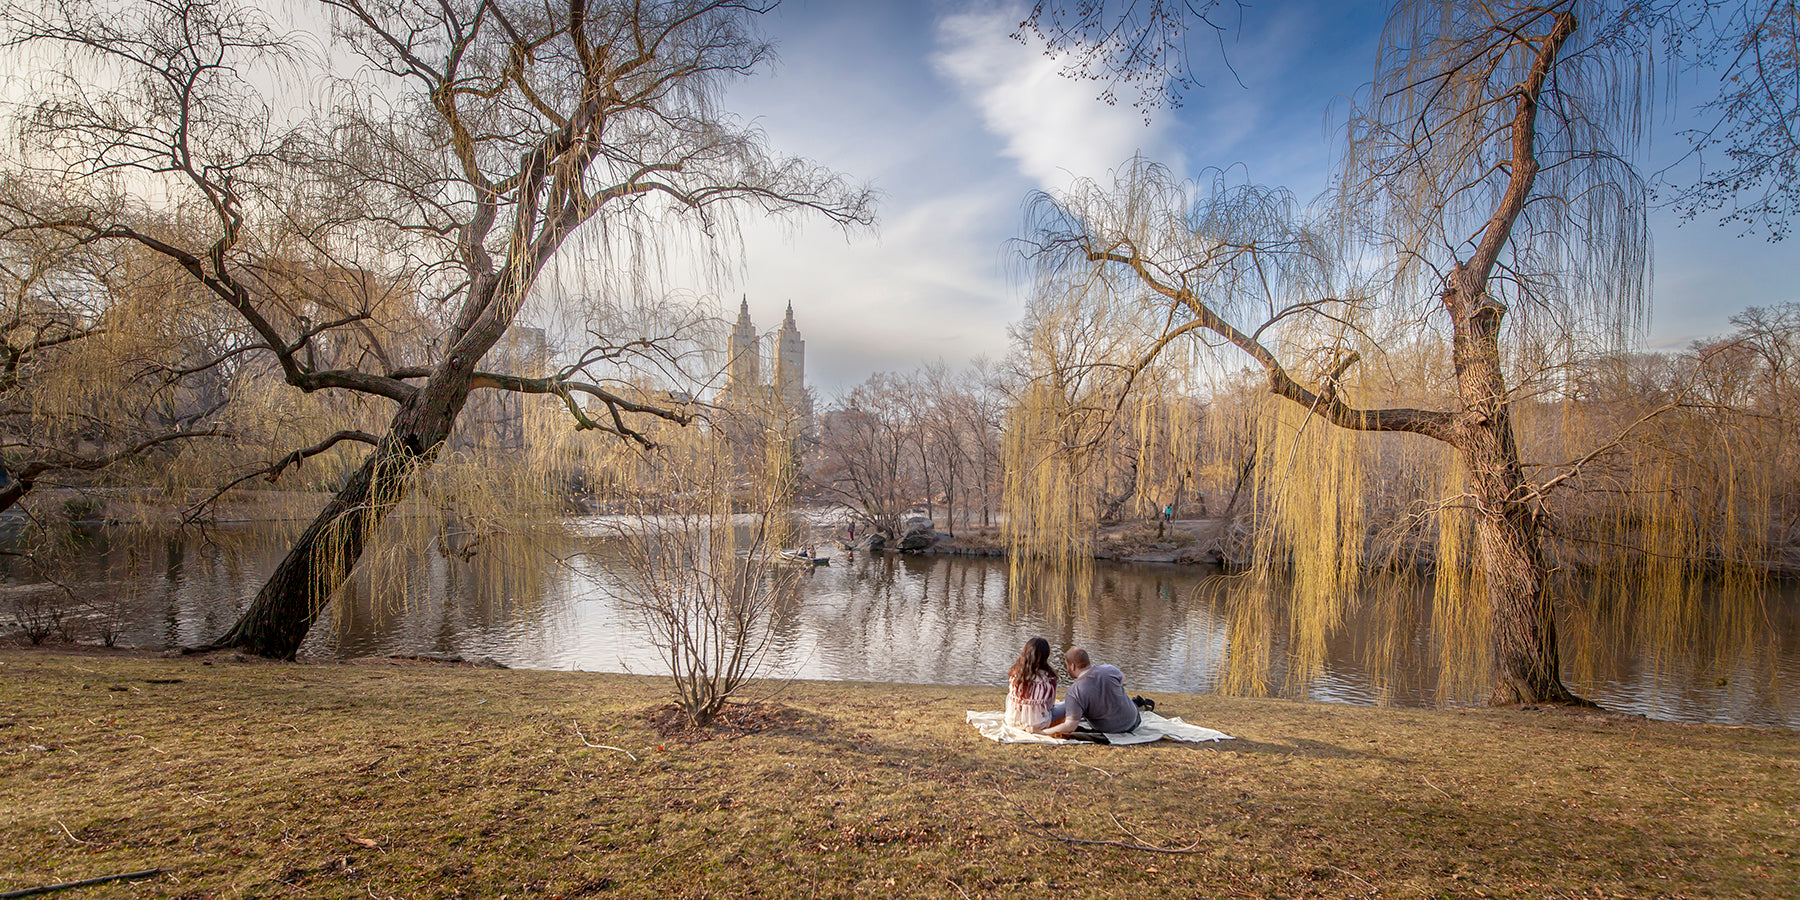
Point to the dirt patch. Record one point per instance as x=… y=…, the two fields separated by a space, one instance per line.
x=734 y=720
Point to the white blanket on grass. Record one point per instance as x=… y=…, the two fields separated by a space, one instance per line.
x=992 y=726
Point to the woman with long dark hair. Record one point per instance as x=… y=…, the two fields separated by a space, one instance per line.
x=1031 y=688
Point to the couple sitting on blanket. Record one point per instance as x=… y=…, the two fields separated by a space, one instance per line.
x=1097 y=695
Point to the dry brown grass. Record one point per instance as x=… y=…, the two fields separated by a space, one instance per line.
x=411 y=780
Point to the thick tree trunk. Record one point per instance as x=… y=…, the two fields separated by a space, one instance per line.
x=1522 y=619
x=1526 y=666
x=278 y=619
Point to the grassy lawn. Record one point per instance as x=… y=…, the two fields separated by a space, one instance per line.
x=385 y=779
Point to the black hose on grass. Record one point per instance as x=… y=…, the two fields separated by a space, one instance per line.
x=29 y=892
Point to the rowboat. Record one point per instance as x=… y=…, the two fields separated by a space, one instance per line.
x=804 y=557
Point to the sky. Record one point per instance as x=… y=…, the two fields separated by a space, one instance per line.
x=955 y=123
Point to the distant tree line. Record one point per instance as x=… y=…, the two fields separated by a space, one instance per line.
x=1724 y=411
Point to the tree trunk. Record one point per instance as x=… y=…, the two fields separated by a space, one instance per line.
x=1526 y=667
x=950 y=502
x=1522 y=619
x=278 y=619
x=1245 y=469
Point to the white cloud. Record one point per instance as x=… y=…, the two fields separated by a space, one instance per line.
x=1053 y=127
x=929 y=287
x=857 y=92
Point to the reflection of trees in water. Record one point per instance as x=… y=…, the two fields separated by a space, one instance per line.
x=1134 y=614
x=909 y=619
x=174 y=587
x=1379 y=652
x=953 y=620
x=365 y=618
x=1393 y=647
x=784 y=619
x=1706 y=647
x=1692 y=646
x=1143 y=614
x=857 y=627
x=408 y=599
x=174 y=556
x=163 y=586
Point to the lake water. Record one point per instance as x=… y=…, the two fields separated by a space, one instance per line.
x=912 y=619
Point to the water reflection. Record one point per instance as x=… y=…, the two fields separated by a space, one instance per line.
x=544 y=603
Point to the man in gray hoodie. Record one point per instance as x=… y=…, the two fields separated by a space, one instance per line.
x=1097 y=694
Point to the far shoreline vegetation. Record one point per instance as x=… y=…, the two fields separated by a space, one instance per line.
x=235 y=777
x=1182 y=538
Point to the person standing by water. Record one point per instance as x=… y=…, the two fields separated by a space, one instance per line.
x=1031 y=688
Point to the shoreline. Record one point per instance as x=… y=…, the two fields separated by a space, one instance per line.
x=1196 y=542
x=1192 y=541
x=15 y=642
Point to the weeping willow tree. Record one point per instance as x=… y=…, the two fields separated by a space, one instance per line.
x=1087 y=442
x=1675 y=530
x=1047 y=500
x=481 y=145
x=1046 y=496
x=1483 y=198
x=100 y=376
x=1055 y=439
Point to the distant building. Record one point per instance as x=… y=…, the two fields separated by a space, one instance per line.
x=780 y=392
x=790 y=365
x=744 y=374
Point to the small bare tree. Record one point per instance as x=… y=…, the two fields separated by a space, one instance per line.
x=38 y=615
x=703 y=581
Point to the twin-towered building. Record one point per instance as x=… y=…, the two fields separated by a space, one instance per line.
x=781 y=391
